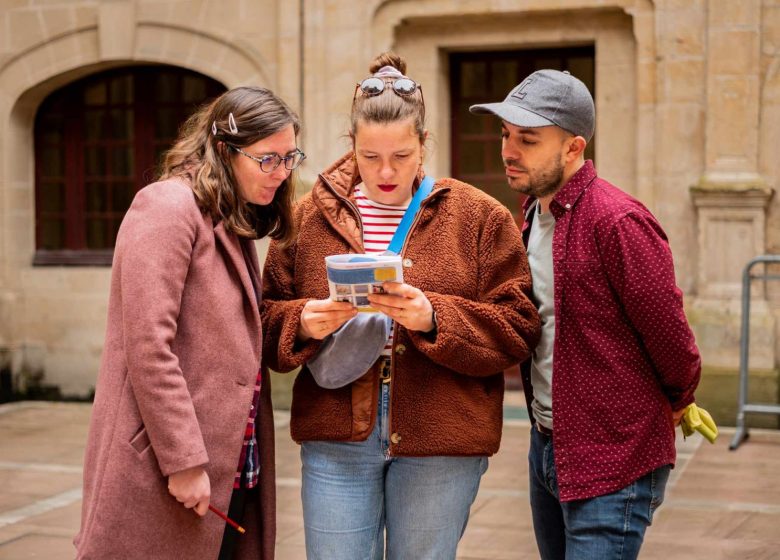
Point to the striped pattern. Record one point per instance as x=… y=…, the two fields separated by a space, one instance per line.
x=379 y=224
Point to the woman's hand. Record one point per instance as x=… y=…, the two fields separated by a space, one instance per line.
x=406 y=305
x=321 y=317
x=192 y=488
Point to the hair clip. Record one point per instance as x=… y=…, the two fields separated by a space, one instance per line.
x=214 y=128
x=232 y=124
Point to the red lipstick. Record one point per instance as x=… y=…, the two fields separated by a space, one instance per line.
x=387 y=188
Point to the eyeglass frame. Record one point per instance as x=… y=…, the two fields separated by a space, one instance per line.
x=385 y=81
x=279 y=159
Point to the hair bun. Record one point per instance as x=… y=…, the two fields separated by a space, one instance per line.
x=388 y=59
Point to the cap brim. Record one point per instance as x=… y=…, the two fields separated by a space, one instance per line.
x=511 y=114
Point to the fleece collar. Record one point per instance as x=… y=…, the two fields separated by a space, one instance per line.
x=333 y=194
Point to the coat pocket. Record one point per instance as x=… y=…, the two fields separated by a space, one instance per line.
x=140 y=441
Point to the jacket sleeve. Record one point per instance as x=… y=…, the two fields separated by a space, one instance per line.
x=281 y=312
x=500 y=327
x=153 y=256
x=639 y=265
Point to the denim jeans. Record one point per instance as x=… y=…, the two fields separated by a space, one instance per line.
x=354 y=492
x=606 y=527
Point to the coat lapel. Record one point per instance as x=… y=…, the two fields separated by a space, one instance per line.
x=249 y=248
x=232 y=246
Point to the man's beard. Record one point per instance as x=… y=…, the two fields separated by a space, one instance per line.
x=543 y=183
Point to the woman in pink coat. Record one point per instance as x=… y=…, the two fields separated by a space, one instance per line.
x=182 y=418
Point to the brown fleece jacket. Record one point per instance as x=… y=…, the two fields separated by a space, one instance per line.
x=465 y=253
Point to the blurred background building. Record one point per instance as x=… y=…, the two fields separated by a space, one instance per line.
x=91 y=92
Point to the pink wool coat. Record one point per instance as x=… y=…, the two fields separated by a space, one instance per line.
x=179 y=365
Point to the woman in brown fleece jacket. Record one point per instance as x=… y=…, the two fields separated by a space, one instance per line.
x=403 y=448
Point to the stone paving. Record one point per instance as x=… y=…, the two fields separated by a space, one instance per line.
x=720 y=504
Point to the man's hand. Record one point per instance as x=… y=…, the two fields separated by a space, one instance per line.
x=677 y=416
x=192 y=488
x=321 y=317
x=406 y=305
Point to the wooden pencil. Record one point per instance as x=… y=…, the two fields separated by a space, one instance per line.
x=229 y=521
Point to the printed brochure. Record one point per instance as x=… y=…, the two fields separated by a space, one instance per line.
x=352 y=277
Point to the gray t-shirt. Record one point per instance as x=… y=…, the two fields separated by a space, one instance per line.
x=541 y=262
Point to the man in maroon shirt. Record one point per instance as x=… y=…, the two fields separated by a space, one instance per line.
x=617 y=362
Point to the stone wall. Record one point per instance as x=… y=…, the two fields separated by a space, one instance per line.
x=53 y=318
x=687 y=93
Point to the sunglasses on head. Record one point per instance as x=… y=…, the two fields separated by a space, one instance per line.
x=404 y=87
x=375 y=86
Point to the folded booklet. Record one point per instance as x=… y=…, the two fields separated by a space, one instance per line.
x=352 y=277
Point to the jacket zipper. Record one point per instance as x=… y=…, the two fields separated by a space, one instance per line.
x=355 y=210
x=388 y=453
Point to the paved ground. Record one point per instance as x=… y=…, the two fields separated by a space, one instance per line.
x=720 y=504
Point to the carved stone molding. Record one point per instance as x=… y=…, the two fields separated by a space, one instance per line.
x=731 y=231
x=116 y=29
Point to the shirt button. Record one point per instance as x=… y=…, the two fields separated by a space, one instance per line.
x=395 y=438
x=400 y=349
x=407 y=263
x=252 y=407
x=568 y=207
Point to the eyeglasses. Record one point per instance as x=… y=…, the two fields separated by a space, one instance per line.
x=270 y=162
x=401 y=86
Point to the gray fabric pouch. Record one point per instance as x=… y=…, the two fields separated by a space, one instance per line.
x=348 y=353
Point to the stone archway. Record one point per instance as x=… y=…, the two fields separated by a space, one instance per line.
x=53 y=318
x=46 y=66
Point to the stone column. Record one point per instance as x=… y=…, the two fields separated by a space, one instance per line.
x=731 y=197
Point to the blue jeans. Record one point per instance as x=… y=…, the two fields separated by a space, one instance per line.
x=353 y=492
x=608 y=527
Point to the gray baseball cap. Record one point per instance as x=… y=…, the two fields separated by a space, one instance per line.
x=547 y=97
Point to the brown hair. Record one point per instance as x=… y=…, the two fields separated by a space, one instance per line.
x=387 y=106
x=202 y=156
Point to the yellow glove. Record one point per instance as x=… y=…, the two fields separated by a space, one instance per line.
x=697 y=419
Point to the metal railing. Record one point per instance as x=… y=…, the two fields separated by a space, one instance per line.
x=743 y=406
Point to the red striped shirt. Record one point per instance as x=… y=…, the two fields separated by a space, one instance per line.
x=379 y=224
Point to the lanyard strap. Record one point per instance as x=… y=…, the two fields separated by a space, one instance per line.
x=397 y=243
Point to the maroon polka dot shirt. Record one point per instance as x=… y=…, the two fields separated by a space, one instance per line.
x=624 y=355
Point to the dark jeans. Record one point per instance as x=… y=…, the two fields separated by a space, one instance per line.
x=608 y=527
x=236 y=512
